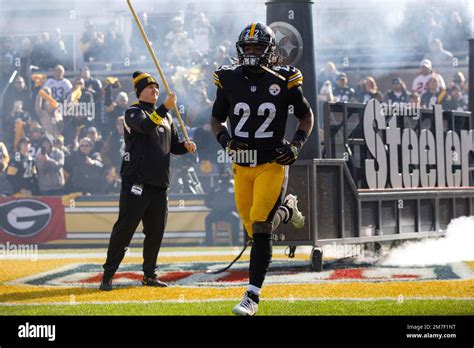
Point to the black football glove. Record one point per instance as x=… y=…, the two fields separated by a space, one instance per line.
x=230 y=144
x=236 y=145
x=288 y=154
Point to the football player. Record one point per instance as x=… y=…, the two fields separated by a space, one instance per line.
x=255 y=96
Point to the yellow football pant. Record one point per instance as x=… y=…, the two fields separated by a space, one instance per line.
x=259 y=192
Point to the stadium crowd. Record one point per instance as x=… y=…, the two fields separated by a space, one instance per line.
x=63 y=135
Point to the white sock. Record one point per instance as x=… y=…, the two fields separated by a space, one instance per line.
x=254 y=289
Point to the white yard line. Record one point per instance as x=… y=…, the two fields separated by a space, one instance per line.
x=288 y=299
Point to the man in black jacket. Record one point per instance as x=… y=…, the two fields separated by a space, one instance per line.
x=150 y=138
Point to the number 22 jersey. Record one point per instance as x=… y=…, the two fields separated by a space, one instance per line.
x=257 y=105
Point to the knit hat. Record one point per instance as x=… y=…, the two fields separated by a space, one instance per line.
x=141 y=80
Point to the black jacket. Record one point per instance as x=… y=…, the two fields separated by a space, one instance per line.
x=150 y=138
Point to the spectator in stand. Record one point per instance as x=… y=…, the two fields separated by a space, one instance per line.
x=50 y=163
x=221 y=57
x=454 y=100
x=398 y=93
x=97 y=49
x=17 y=125
x=178 y=43
x=8 y=59
x=21 y=172
x=341 y=91
x=325 y=93
x=369 y=91
x=432 y=29
x=86 y=169
x=87 y=39
x=114 y=109
x=433 y=95
x=114 y=145
x=5 y=186
x=82 y=115
x=49 y=116
x=59 y=85
x=37 y=134
x=4 y=158
x=458 y=80
x=41 y=54
x=137 y=45
x=202 y=33
x=200 y=107
x=94 y=86
x=415 y=99
x=97 y=141
x=456 y=33
x=438 y=55
x=113 y=183
x=25 y=57
x=57 y=48
x=19 y=92
x=114 y=44
x=420 y=82
x=328 y=73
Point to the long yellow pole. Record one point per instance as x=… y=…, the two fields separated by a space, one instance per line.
x=158 y=67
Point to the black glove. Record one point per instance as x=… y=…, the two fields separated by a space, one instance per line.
x=228 y=143
x=288 y=154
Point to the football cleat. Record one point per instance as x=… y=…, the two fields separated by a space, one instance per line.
x=246 y=307
x=297 y=218
x=153 y=281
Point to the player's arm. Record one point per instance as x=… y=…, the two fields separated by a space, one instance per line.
x=218 y=125
x=302 y=110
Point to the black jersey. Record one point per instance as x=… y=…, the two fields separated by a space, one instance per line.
x=22 y=173
x=257 y=105
x=343 y=94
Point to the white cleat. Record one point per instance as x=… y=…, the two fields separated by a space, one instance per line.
x=297 y=218
x=247 y=307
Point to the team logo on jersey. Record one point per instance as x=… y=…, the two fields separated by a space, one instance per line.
x=253 y=88
x=161 y=129
x=274 y=89
x=24 y=217
x=289 y=42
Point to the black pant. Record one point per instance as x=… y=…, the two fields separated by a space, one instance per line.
x=152 y=209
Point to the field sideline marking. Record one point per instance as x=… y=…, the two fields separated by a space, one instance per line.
x=318 y=299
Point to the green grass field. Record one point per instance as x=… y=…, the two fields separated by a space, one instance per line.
x=269 y=307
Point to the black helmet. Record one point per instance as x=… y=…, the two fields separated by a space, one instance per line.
x=260 y=34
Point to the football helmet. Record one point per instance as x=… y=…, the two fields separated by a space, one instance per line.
x=256 y=34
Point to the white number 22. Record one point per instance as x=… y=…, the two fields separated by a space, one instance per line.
x=260 y=133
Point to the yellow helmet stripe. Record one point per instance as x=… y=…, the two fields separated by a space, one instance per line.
x=252 y=30
x=139 y=77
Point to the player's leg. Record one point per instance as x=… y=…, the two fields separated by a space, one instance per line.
x=131 y=210
x=265 y=215
x=243 y=188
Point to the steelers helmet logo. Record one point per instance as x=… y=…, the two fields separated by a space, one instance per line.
x=274 y=89
x=288 y=41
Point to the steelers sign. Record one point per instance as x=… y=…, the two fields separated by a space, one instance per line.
x=289 y=42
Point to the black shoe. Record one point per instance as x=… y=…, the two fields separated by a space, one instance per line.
x=106 y=284
x=153 y=281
